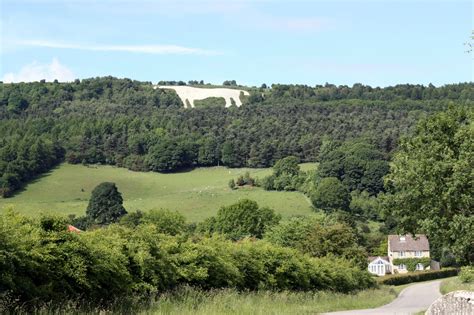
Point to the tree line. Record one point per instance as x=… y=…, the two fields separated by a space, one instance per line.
x=130 y=124
x=428 y=189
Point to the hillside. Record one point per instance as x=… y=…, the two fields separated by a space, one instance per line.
x=197 y=194
x=130 y=124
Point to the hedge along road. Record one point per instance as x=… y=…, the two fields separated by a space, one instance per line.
x=413 y=299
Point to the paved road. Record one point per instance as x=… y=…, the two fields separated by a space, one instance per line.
x=413 y=299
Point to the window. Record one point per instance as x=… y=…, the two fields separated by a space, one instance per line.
x=417 y=253
x=401 y=254
x=402 y=267
x=402 y=238
x=419 y=267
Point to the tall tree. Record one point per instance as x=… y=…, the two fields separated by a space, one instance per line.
x=330 y=195
x=431 y=183
x=106 y=204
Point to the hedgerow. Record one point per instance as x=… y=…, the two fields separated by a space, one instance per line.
x=397 y=279
x=42 y=262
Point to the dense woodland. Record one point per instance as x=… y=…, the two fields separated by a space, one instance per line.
x=129 y=124
x=400 y=155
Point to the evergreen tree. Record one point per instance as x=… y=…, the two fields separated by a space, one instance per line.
x=106 y=204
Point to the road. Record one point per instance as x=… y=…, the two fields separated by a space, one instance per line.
x=413 y=299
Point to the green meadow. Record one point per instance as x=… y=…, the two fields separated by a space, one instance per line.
x=197 y=194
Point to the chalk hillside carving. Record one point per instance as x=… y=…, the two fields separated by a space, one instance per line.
x=191 y=94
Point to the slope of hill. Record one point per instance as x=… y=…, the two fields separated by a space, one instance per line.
x=130 y=124
x=197 y=194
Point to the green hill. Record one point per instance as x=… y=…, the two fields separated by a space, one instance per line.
x=198 y=194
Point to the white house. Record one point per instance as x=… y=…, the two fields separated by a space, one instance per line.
x=407 y=246
x=379 y=266
x=401 y=246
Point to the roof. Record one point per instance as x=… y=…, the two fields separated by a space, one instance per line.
x=71 y=228
x=373 y=258
x=419 y=242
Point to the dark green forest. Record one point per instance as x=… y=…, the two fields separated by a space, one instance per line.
x=129 y=124
x=399 y=155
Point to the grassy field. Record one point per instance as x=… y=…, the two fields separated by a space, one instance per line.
x=197 y=194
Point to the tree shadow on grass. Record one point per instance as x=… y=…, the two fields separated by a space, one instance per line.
x=35 y=179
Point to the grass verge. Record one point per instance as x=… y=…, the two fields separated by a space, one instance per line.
x=454 y=284
x=191 y=301
x=188 y=300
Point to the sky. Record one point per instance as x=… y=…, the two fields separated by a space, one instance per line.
x=379 y=43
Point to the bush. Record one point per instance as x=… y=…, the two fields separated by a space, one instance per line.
x=448 y=259
x=319 y=238
x=243 y=219
x=268 y=182
x=246 y=179
x=467 y=274
x=42 y=263
x=398 y=279
x=166 y=221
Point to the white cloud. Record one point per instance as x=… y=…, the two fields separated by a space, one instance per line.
x=147 y=49
x=36 y=71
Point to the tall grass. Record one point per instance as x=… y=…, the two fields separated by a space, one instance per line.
x=192 y=301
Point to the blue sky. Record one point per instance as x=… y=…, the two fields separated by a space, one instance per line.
x=312 y=42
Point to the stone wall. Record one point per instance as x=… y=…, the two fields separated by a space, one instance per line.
x=457 y=302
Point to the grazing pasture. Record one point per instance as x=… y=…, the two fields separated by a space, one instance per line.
x=197 y=194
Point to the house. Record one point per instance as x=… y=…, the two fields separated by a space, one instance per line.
x=404 y=251
x=380 y=266
x=407 y=246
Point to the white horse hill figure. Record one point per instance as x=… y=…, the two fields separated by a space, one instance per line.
x=190 y=94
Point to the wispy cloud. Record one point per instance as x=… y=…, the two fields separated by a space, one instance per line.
x=146 y=49
x=36 y=71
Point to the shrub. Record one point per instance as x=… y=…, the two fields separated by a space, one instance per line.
x=268 y=182
x=397 y=279
x=166 y=221
x=319 y=238
x=447 y=259
x=467 y=274
x=246 y=179
x=41 y=263
x=245 y=218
